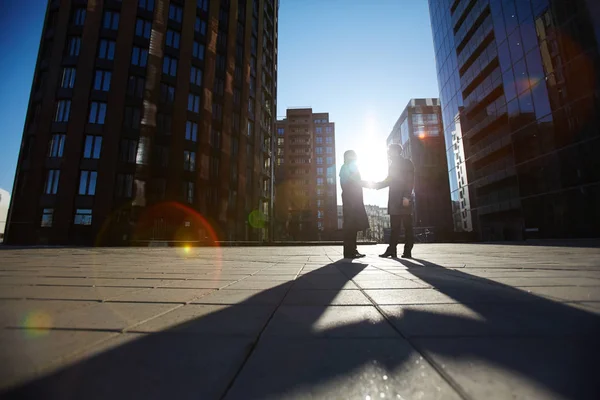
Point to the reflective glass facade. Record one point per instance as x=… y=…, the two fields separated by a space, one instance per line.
x=519 y=86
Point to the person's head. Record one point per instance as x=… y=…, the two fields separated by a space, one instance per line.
x=350 y=156
x=394 y=151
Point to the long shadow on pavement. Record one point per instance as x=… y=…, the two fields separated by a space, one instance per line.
x=268 y=346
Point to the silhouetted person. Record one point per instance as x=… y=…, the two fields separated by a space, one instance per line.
x=355 y=216
x=401 y=180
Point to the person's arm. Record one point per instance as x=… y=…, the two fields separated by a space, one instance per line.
x=410 y=181
x=386 y=182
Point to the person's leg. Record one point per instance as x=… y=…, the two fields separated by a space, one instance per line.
x=395 y=221
x=409 y=238
x=349 y=242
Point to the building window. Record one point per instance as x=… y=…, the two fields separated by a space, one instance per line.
x=318 y=129
x=170 y=66
x=330 y=171
x=191 y=131
x=92 y=147
x=189 y=161
x=74 y=46
x=56 y=145
x=102 y=80
x=329 y=150
x=329 y=160
x=320 y=171
x=215 y=138
x=68 y=78
x=328 y=129
x=221 y=64
x=319 y=150
x=83 y=216
x=124 y=185
x=106 y=49
x=161 y=155
x=217 y=111
x=188 y=191
x=87 y=183
x=133 y=117
x=167 y=93
x=128 y=150
x=319 y=160
x=250 y=128
x=319 y=140
x=196 y=76
x=213 y=167
x=147 y=5
x=173 y=39
x=139 y=56
x=163 y=124
x=200 y=26
x=198 y=50
x=97 y=113
x=135 y=86
x=280 y=141
x=175 y=13
x=63 y=111
x=219 y=86
x=320 y=181
x=193 y=103
x=111 y=20
x=331 y=181
x=52 y=178
x=79 y=17
x=280 y=131
x=47 y=216
x=143 y=28
x=202 y=5
x=329 y=140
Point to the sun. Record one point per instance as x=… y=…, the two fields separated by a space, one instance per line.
x=372 y=160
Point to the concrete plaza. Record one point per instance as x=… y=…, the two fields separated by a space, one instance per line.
x=474 y=321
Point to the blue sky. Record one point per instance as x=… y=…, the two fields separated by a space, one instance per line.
x=359 y=60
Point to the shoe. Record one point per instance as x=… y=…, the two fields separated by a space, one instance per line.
x=351 y=256
x=406 y=255
x=358 y=255
x=389 y=253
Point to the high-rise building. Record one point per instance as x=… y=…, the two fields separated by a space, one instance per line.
x=149 y=119
x=305 y=176
x=519 y=87
x=420 y=132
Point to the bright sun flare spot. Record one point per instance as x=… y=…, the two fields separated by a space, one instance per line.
x=372 y=160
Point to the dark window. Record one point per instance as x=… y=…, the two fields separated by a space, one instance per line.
x=161 y=154
x=128 y=150
x=541 y=101
x=219 y=86
x=106 y=50
x=202 y=5
x=510 y=91
x=143 y=28
x=173 y=39
x=74 y=46
x=47 y=217
x=193 y=103
x=196 y=76
x=92 y=147
x=215 y=138
x=79 y=17
x=167 y=93
x=63 y=111
x=175 y=13
x=217 y=111
x=191 y=131
x=87 y=183
x=135 y=86
x=213 y=168
x=198 y=51
x=102 y=80
x=83 y=216
x=163 y=124
x=146 y=5
x=132 y=117
x=188 y=191
x=68 y=78
x=170 y=66
x=57 y=145
x=220 y=63
x=52 y=177
x=97 y=113
x=200 y=26
x=139 y=56
x=124 y=185
x=189 y=161
x=111 y=20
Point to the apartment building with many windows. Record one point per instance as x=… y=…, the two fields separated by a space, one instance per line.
x=149 y=120
x=305 y=176
x=519 y=88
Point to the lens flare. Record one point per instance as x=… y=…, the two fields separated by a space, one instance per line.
x=37 y=324
x=256 y=219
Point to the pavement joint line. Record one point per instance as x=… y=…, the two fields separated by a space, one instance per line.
x=445 y=376
x=256 y=340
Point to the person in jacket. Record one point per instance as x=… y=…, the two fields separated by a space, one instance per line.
x=355 y=215
x=401 y=181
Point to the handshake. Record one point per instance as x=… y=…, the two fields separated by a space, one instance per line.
x=371 y=185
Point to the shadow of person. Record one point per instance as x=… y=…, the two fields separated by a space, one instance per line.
x=289 y=342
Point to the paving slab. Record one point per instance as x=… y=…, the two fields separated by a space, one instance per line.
x=249 y=297
x=163 y=295
x=326 y=297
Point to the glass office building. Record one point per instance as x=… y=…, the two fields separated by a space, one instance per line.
x=519 y=87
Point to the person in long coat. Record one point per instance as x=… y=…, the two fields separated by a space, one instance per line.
x=353 y=206
x=401 y=181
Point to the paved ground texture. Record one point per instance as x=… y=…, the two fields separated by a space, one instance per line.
x=460 y=321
